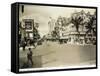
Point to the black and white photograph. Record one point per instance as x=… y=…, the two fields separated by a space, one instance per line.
x=50 y=38
x=54 y=37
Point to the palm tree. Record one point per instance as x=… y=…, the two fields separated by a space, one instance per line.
x=77 y=19
x=90 y=25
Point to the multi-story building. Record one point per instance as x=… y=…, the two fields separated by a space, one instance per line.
x=69 y=34
x=51 y=25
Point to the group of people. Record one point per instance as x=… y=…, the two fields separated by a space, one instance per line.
x=30 y=42
x=27 y=42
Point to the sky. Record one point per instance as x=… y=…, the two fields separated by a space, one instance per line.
x=42 y=14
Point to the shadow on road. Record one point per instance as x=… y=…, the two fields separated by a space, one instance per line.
x=37 y=62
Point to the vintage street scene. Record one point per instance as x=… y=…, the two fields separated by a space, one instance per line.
x=56 y=36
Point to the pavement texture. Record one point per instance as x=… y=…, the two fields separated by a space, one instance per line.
x=53 y=54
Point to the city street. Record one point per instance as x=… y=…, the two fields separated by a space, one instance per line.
x=53 y=54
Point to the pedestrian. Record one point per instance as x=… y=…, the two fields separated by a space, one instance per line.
x=29 y=56
x=24 y=45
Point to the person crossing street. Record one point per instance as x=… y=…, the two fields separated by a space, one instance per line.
x=29 y=56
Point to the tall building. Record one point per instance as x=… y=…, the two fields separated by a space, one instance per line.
x=51 y=25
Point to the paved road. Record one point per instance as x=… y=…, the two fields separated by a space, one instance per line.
x=52 y=54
